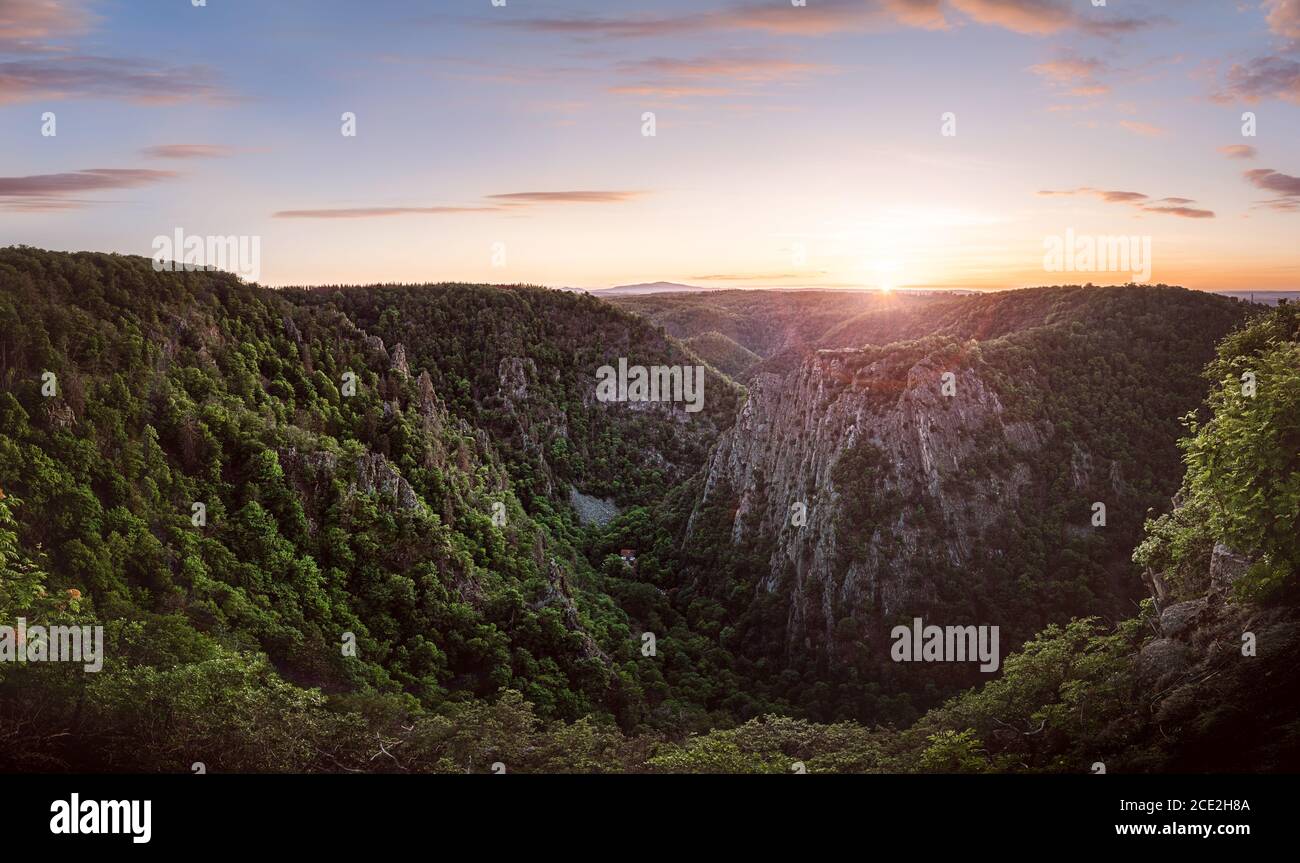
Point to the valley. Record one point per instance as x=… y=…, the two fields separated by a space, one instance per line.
x=431 y=474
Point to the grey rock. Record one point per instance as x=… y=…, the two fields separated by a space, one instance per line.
x=1178 y=619
x=591 y=510
x=399 y=361
x=1226 y=566
x=376 y=476
x=1161 y=660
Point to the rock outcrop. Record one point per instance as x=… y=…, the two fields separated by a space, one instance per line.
x=898 y=460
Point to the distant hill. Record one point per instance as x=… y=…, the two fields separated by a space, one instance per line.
x=649 y=288
x=1268 y=298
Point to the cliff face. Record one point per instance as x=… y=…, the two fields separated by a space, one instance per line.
x=877 y=450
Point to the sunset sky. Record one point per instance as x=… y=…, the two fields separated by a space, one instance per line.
x=796 y=146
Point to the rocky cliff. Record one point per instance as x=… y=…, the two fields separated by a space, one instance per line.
x=870 y=472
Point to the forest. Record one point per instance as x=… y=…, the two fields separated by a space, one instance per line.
x=329 y=529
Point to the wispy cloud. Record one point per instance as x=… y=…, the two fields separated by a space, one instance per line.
x=587 y=197
x=1048 y=17
x=708 y=76
x=507 y=202
x=823 y=17
x=1078 y=76
x=1269 y=77
x=1238 y=151
x=43 y=33
x=188 y=151
x=1170 y=206
x=818 y=18
x=377 y=212
x=738 y=68
x=42 y=192
x=84 y=77
x=1284 y=17
x=1146 y=130
x=33 y=25
x=1285 y=187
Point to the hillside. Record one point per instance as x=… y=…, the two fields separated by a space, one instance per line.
x=330 y=529
x=972 y=507
x=218 y=472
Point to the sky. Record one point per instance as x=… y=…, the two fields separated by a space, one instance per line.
x=796 y=143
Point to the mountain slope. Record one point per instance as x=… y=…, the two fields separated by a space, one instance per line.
x=199 y=469
x=975 y=507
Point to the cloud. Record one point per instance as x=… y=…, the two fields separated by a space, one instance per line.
x=1069 y=69
x=707 y=76
x=188 y=151
x=376 y=212
x=1238 y=151
x=669 y=90
x=1185 y=212
x=739 y=68
x=1110 y=197
x=1261 y=78
x=825 y=17
x=1284 y=17
x=1284 y=186
x=1146 y=130
x=40 y=192
x=818 y=18
x=1073 y=74
x=601 y=197
x=502 y=203
x=1140 y=201
x=84 y=77
x=1048 y=17
x=31 y=25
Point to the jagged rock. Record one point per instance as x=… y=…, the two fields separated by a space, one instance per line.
x=59 y=415
x=1178 y=619
x=1226 y=566
x=291 y=330
x=375 y=345
x=428 y=399
x=557 y=592
x=1161 y=660
x=1080 y=467
x=788 y=439
x=399 y=361
x=591 y=510
x=376 y=476
x=513 y=373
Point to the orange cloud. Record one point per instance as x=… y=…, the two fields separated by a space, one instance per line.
x=188 y=151
x=1047 y=17
x=1238 y=151
x=29 y=25
x=1284 y=17
x=601 y=197
x=1146 y=130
